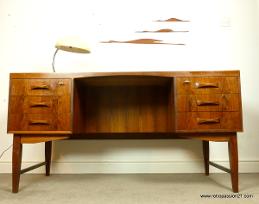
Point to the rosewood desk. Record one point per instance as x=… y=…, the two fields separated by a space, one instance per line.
x=44 y=107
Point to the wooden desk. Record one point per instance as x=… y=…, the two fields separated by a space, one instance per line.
x=147 y=105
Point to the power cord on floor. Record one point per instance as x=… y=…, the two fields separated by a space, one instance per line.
x=5 y=151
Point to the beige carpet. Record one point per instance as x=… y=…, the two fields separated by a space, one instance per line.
x=128 y=189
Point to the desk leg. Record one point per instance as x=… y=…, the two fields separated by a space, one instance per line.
x=206 y=156
x=48 y=149
x=233 y=159
x=16 y=162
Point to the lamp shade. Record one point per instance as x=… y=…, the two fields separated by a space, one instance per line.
x=72 y=44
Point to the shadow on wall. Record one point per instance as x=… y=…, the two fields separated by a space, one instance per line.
x=248 y=141
x=127 y=150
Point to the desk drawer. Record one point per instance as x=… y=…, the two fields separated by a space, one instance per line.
x=217 y=102
x=39 y=122
x=40 y=104
x=207 y=85
x=32 y=122
x=48 y=87
x=40 y=87
x=212 y=121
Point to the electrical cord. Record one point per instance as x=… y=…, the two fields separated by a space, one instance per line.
x=5 y=151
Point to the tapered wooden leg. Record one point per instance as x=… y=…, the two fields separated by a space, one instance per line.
x=48 y=149
x=233 y=159
x=206 y=156
x=16 y=162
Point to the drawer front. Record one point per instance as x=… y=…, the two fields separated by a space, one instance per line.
x=40 y=87
x=40 y=105
x=208 y=121
x=17 y=87
x=39 y=122
x=64 y=104
x=32 y=104
x=207 y=85
x=31 y=122
x=216 y=102
x=48 y=87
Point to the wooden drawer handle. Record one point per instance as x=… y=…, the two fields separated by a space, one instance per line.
x=38 y=122
x=208 y=121
x=61 y=83
x=186 y=81
x=40 y=87
x=35 y=105
x=207 y=103
x=199 y=85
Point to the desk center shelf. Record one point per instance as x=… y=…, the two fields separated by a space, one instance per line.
x=116 y=104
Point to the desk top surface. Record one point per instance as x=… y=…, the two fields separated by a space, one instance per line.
x=103 y=74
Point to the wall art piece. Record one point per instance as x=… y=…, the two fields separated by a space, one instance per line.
x=165 y=30
x=154 y=41
x=143 y=41
x=172 y=20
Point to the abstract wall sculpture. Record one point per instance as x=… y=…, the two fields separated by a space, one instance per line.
x=164 y=30
x=172 y=20
x=154 y=41
x=143 y=41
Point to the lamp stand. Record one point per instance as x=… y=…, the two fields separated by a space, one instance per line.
x=53 y=60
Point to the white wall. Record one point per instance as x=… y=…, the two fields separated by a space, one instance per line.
x=223 y=35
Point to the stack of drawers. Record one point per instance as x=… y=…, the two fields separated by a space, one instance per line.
x=40 y=105
x=208 y=104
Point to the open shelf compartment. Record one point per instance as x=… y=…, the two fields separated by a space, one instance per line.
x=129 y=104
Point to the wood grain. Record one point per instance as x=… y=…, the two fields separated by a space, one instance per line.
x=127 y=105
x=233 y=159
x=227 y=121
x=226 y=85
x=40 y=105
x=16 y=162
x=206 y=156
x=48 y=151
x=210 y=102
x=44 y=107
x=225 y=73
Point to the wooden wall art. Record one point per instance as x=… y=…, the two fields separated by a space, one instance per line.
x=164 y=30
x=172 y=20
x=153 y=41
x=143 y=41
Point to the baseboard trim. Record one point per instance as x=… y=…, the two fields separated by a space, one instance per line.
x=132 y=167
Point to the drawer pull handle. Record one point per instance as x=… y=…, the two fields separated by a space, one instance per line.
x=186 y=81
x=207 y=103
x=35 y=105
x=208 y=121
x=199 y=85
x=61 y=83
x=38 y=122
x=40 y=87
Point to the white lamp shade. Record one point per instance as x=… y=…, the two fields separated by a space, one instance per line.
x=72 y=44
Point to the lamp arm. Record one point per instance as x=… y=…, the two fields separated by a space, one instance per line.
x=53 y=60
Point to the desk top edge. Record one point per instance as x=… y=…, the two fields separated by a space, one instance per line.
x=235 y=73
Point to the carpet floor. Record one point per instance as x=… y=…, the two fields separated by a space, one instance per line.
x=129 y=189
